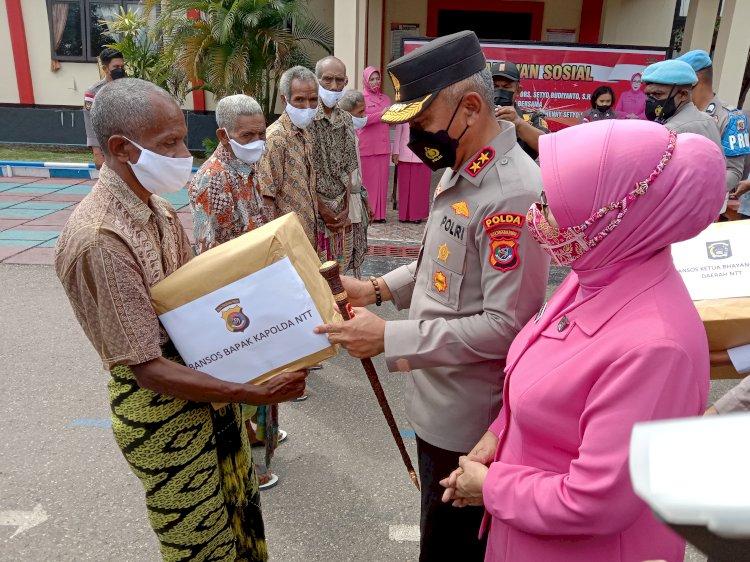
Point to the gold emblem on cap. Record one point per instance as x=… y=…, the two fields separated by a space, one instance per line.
x=402 y=112
x=396 y=84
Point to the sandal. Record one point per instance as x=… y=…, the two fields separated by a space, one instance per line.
x=258 y=444
x=267 y=480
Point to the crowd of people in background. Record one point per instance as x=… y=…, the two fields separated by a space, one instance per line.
x=541 y=464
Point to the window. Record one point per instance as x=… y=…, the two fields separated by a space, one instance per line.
x=76 y=29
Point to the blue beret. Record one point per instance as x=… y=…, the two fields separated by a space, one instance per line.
x=670 y=72
x=697 y=59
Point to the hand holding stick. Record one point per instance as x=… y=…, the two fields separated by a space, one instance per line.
x=330 y=272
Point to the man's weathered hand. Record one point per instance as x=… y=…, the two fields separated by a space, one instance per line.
x=362 y=336
x=742 y=188
x=282 y=388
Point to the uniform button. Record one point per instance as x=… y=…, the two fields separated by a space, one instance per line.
x=504 y=161
x=562 y=324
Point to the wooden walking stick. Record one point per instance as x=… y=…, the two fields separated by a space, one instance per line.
x=330 y=272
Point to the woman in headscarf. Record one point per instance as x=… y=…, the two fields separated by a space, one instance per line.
x=620 y=342
x=375 y=143
x=632 y=102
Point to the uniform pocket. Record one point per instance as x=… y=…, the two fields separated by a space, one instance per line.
x=444 y=285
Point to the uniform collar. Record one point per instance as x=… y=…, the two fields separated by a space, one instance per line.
x=137 y=209
x=596 y=311
x=475 y=168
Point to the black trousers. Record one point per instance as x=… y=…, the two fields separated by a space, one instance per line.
x=447 y=532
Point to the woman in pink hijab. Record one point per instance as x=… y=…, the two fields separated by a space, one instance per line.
x=632 y=103
x=619 y=342
x=375 y=144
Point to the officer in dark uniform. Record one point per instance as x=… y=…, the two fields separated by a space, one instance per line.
x=113 y=66
x=530 y=125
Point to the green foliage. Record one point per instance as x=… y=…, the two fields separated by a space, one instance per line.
x=144 y=56
x=209 y=145
x=239 y=46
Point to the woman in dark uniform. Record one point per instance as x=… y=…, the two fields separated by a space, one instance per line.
x=602 y=101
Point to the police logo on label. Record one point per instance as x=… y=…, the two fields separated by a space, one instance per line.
x=504 y=254
x=719 y=250
x=433 y=154
x=231 y=311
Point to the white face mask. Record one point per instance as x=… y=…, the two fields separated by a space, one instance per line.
x=249 y=153
x=300 y=117
x=161 y=174
x=359 y=122
x=329 y=97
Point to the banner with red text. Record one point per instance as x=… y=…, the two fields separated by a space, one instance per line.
x=559 y=79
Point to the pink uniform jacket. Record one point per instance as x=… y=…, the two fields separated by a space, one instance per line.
x=560 y=487
x=374 y=137
x=619 y=342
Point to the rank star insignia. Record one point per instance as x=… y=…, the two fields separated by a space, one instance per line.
x=440 y=282
x=481 y=160
x=461 y=209
x=443 y=253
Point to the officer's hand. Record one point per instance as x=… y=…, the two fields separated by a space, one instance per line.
x=508 y=113
x=362 y=336
x=742 y=188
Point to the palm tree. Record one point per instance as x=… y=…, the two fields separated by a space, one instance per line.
x=239 y=46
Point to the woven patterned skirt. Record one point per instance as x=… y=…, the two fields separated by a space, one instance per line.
x=195 y=465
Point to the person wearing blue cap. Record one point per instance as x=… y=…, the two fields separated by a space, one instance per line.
x=732 y=123
x=669 y=85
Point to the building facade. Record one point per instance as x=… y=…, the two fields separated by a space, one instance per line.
x=48 y=48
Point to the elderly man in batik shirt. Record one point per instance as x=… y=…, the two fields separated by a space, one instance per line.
x=224 y=194
x=285 y=173
x=334 y=158
x=193 y=460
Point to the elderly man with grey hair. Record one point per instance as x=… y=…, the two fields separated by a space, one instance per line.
x=224 y=194
x=335 y=158
x=286 y=175
x=123 y=238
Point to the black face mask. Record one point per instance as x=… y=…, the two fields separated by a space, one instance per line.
x=602 y=108
x=436 y=150
x=502 y=97
x=117 y=73
x=660 y=110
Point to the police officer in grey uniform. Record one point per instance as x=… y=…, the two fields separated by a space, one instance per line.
x=530 y=125
x=113 y=65
x=669 y=85
x=732 y=122
x=479 y=277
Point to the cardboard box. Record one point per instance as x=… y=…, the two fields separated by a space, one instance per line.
x=715 y=266
x=727 y=323
x=244 y=311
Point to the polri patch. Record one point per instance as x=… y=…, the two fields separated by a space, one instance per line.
x=504 y=230
x=504 y=254
x=483 y=158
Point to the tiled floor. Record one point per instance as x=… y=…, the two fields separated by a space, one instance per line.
x=34 y=210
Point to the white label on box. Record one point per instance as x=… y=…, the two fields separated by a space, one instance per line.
x=249 y=327
x=716 y=263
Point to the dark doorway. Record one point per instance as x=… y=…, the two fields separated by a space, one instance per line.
x=487 y=25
